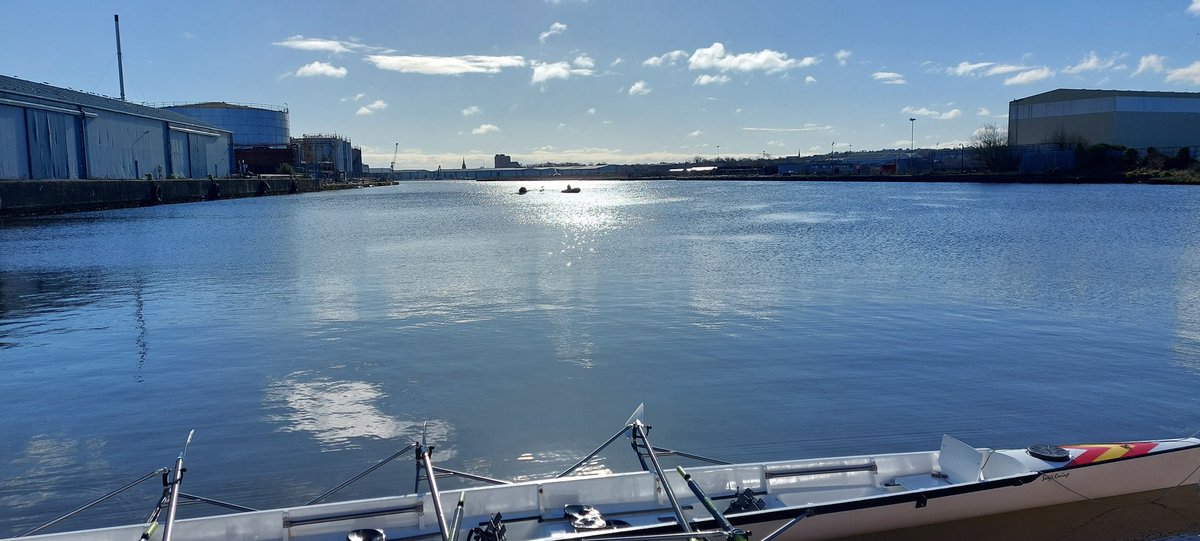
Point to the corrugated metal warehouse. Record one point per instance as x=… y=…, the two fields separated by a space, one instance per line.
x=1135 y=119
x=48 y=132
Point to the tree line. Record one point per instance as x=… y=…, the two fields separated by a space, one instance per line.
x=990 y=145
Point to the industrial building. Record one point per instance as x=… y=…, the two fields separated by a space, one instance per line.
x=327 y=156
x=1134 y=119
x=48 y=132
x=261 y=133
x=504 y=161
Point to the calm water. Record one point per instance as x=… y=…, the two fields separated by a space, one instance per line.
x=307 y=337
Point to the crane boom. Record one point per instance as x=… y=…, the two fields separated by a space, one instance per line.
x=394 y=153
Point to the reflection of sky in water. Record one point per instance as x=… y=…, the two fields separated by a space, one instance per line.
x=333 y=298
x=338 y=412
x=1187 y=311
x=354 y=316
x=540 y=464
x=45 y=459
x=808 y=217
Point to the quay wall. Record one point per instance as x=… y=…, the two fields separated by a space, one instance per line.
x=31 y=197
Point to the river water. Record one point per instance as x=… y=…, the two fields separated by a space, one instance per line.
x=306 y=337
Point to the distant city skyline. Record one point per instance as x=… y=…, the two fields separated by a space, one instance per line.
x=611 y=81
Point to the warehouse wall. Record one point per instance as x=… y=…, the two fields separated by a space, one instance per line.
x=14 y=151
x=122 y=146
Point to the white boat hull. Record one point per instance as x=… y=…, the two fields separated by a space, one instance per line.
x=837 y=497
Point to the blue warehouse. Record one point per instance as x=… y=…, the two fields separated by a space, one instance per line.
x=48 y=132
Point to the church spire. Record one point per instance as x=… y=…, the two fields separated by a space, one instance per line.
x=464 y=163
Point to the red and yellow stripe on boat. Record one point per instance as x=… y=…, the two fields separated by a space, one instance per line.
x=1101 y=452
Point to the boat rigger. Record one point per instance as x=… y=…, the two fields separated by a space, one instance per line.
x=787 y=500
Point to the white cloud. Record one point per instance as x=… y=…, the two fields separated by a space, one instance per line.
x=555 y=29
x=472 y=110
x=766 y=60
x=543 y=72
x=316 y=44
x=842 y=56
x=1001 y=69
x=1091 y=62
x=889 y=78
x=984 y=111
x=1030 y=76
x=810 y=79
x=485 y=129
x=1190 y=74
x=320 y=69
x=966 y=68
x=376 y=105
x=584 y=61
x=951 y=114
x=617 y=62
x=355 y=97
x=591 y=110
x=668 y=59
x=696 y=133
x=775 y=143
x=1194 y=9
x=189 y=35
x=639 y=88
x=1151 y=63
x=445 y=65
x=707 y=79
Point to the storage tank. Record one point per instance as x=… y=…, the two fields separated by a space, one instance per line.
x=253 y=125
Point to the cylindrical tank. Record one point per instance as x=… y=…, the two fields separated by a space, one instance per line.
x=252 y=125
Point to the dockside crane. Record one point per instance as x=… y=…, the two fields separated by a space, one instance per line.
x=392 y=167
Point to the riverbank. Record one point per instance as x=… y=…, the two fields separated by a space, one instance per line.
x=36 y=197
x=1141 y=177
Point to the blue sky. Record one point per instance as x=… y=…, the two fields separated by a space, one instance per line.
x=611 y=81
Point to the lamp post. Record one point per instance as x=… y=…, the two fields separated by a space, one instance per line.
x=912 y=132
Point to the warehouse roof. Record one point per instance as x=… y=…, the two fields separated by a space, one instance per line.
x=67 y=96
x=1071 y=94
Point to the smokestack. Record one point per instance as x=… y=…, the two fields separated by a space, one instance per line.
x=120 y=65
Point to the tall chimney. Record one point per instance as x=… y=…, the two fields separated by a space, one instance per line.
x=120 y=65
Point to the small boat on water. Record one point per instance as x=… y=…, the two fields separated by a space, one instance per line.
x=788 y=500
x=569 y=189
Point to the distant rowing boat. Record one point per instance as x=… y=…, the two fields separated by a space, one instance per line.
x=790 y=500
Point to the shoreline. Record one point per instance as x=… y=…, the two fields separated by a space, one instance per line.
x=46 y=197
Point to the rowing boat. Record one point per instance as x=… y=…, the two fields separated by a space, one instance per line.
x=789 y=500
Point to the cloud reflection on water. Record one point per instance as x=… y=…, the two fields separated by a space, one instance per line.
x=338 y=412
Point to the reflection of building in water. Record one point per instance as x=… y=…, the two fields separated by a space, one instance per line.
x=143 y=345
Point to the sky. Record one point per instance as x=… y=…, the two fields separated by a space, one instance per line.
x=610 y=81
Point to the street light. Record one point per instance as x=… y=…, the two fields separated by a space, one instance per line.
x=912 y=123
